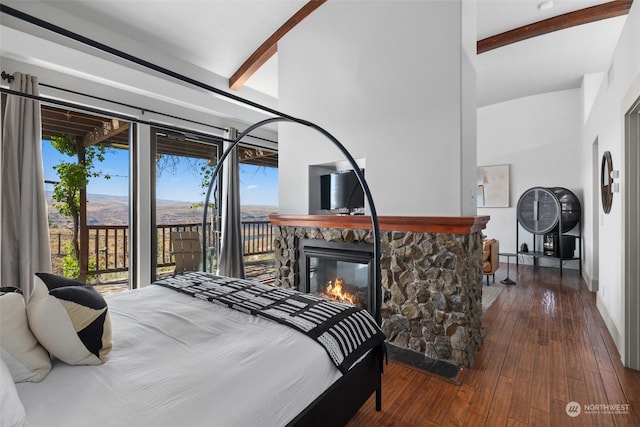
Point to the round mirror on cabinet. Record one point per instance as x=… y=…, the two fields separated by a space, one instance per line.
x=606 y=182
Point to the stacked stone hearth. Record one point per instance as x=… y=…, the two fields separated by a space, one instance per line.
x=431 y=286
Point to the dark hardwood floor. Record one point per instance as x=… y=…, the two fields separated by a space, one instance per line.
x=545 y=345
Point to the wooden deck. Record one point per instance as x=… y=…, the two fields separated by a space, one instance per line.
x=256 y=270
x=545 y=345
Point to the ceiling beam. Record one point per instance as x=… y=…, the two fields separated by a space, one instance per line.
x=270 y=46
x=583 y=16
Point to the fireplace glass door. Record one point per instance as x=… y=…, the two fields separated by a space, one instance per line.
x=343 y=281
x=338 y=274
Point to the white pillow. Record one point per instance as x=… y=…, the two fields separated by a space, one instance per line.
x=26 y=359
x=70 y=319
x=12 y=412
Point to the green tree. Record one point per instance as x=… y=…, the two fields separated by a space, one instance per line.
x=73 y=178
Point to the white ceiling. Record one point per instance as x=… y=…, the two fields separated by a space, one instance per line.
x=542 y=64
x=219 y=35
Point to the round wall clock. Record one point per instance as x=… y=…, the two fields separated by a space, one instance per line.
x=606 y=182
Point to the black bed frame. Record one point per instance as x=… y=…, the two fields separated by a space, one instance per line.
x=336 y=405
x=339 y=403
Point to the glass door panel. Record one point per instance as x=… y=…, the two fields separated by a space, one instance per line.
x=89 y=237
x=183 y=169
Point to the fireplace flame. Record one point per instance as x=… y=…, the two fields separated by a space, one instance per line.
x=335 y=292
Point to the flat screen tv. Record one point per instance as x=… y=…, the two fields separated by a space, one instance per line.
x=341 y=191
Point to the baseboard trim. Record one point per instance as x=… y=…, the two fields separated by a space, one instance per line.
x=610 y=323
x=592 y=284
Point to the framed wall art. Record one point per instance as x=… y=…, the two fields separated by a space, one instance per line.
x=492 y=186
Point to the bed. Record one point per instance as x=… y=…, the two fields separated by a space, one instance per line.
x=180 y=359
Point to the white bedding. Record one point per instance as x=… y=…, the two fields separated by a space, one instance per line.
x=181 y=361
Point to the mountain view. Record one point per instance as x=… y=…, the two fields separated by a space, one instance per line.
x=114 y=210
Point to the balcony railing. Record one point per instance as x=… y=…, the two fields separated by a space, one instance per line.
x=109 y=244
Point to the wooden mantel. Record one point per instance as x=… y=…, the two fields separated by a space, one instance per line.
x=420 y=224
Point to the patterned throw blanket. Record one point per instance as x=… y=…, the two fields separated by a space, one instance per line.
x=347 y=333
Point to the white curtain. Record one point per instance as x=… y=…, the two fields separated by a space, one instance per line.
x=231 y=262
x=25 y=231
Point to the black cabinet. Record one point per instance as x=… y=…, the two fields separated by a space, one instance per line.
x=552 y=216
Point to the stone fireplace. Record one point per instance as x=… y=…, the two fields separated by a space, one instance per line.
x=431 y=275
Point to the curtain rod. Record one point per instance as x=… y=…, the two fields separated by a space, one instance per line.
x=99 y=98
x=9 y=78
x=146 y=110
x=131 y=58
x=125 y=117
x=6 y=76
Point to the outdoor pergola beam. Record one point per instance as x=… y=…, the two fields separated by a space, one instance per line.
x=252 y=153
x=583 y=16
x=270 y=46
x=108 y=130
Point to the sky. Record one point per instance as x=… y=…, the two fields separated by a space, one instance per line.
x=259 y=185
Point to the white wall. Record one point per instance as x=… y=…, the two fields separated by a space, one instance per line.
x=368 y=73
x=539 y=137
x=605 y=123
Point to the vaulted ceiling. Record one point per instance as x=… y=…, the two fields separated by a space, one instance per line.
x=220 y=36
x=524 y=48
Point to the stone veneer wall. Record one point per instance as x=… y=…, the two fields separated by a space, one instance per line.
x=431 y=286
